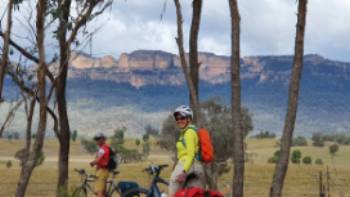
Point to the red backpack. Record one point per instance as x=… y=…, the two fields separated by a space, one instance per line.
x=206 y=149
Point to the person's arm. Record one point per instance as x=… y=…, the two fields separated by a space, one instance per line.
x=98 y=158
x=190 y=140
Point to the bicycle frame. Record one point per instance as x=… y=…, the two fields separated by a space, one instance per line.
x=154 y=189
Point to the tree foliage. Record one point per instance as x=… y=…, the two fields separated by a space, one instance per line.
x=307 y=160
x=265 y=134
x=299 y=141
x=296 y=156
x=333 y=149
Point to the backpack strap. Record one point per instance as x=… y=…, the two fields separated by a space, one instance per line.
x=193 y=127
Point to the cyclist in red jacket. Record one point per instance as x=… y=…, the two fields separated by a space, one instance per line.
x=101 y=162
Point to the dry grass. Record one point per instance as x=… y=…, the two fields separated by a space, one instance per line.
x=301 y=180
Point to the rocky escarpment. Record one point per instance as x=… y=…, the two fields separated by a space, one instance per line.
x=150 y=67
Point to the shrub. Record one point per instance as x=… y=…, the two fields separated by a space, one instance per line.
x=74 y=135
x=299 y=141
x=307 y=160
x=275 y=157
x=296 y=156
x=319 y=161
x=333 y=149
x=9 y=164
x=272 y=159
x=137 y=142
x=317 y=140
x=89 y=145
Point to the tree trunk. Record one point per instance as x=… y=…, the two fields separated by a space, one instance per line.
x=64 y=129
x=28 y=167
x=282 y=165
x=193 y=54
x=238 y=153
x=179 y=41
x=6 y=47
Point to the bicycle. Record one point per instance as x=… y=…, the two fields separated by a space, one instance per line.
x=153 y=190
x=85 y=187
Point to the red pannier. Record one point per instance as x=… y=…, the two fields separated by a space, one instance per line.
x=197 y=192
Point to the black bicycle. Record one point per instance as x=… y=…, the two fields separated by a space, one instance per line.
x=153 y=190
x=85 y=187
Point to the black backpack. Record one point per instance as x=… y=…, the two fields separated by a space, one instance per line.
x=112 y=163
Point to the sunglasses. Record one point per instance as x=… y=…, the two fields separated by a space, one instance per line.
x=180 y=118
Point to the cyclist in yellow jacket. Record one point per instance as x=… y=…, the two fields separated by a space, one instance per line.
x=187 y=147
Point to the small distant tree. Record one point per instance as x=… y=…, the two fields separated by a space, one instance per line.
x=265 y=134
x=74 y=135
x=307 y=160
x=333 y=149
x=145 y=137
x=119 y=135
x=146 y=148
x=319 y=161
x=275 y=157
x=296 y=156
x=89 y=145
x=151 y=130
x=299 y=141
x=317 y=140
x=9 y=164
x=137 y=142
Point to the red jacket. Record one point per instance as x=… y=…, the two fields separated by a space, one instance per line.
x=102 y=156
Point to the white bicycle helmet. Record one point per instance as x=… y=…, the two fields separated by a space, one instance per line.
x=183 y=110
x=99 y=136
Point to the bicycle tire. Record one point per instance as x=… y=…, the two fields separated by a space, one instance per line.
x=80 y=192
x=135 y=192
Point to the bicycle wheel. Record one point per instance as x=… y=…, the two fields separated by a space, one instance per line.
x=80 y=192
x=135 y=192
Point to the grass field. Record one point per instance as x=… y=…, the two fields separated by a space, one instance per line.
x=302 y=180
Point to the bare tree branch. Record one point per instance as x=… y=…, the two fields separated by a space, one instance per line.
x=6 y=47
x=184 y=65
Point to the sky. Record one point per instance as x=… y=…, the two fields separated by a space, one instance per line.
x=267 y=27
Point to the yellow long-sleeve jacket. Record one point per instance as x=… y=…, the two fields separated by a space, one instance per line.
x=187 y=146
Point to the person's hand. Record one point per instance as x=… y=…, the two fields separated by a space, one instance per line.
x=181 y=177
x=92 y=163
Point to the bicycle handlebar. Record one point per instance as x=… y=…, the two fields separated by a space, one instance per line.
x=155 y=169
x=80 y=171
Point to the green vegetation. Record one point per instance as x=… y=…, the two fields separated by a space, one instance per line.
x=319 y=161
x=333 y=149
x=296 y=156
x=340 y=138
x=300 y=178
x=275 y=157
x=299 y=141
x=265 y=135
x=89 y=145
x=307 y=160
x=74 y=135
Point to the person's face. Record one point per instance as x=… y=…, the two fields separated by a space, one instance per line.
x=100 y=141
x=182 y=121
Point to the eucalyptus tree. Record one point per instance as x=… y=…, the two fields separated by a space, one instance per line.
x=293 y=95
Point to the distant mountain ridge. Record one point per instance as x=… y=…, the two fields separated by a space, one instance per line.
x=142 y=87
x=148 y=67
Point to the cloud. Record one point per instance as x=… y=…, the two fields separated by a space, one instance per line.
x=267 y=27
